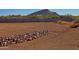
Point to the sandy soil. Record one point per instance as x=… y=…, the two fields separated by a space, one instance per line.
x=59 y=37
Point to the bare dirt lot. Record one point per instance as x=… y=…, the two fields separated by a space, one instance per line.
x=59 y=37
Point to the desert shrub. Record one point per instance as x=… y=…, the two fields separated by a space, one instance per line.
x=41 y=16
x=75 y=23
x=55 y=17
x=74 y=26
x=60 y=22
x=68 y=18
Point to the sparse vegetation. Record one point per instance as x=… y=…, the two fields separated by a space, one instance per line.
x=57 y=37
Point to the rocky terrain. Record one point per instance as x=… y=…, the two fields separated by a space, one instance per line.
x=59 y=37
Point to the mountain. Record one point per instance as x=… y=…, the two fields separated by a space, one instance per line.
x=43 y=12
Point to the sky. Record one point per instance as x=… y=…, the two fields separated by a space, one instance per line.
x=4 y=12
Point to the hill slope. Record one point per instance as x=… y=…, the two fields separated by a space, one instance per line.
x=44 y=12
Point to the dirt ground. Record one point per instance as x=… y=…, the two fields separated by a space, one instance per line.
x=58 y=38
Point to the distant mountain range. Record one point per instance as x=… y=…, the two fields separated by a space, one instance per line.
x=44 y=12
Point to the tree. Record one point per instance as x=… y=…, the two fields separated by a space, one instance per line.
x=68 y=17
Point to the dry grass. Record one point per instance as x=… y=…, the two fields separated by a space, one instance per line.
x=65 y=23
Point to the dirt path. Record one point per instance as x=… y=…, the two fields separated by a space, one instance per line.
x=59 y=37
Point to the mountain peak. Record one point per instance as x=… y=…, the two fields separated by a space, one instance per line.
x=44 y=12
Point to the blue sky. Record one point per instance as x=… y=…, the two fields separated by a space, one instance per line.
x=4 y=12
